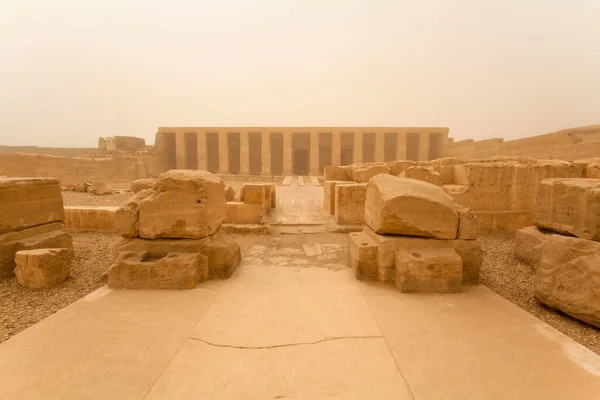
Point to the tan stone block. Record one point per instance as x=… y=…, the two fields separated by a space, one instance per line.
x=255 y=194
x=528 y=245
x=396 y=167
x=422 y=173
x=362 y=255
x=570 y=206
x=223 y=256
x=148 y=270
x=142 y=184
x=42 y=268
x=27 y=202
x=333 y=173
x=350 y=203
x=184 y=204
x=568 y=277
x=401 y=206
x=82 y=218
x=593 y=170
x=43 y=236
x=240 y=213
x=329 y=194
x=503 y=221
x=126 y=217
x=361 y=173
x=99 y=188
x=229 y=193
x=428 y=270
x=467 y=224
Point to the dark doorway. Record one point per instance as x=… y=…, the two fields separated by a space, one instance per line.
x=191 y=150
x=170 y=147
x=390 y=144
x=255 y=149
x=368 y=147
x=347 y=148
x=435 y=145
x=300 y=153
x=212 y=152
x=276 y=153
x=413 y=146
x=325 y=139
x=233 y=152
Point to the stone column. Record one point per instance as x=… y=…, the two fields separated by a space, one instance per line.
x=401 y=143
x=424 y=146
x=179 y=150
x=380 y=146
x=266 y=153
x=287 y=153
x=244 y=153
x=223 y=153
x=357 y=148
x=314 y=153
x=336 y=148
x=201 y=142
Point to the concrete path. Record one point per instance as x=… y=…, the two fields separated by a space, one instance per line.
x=294 y=332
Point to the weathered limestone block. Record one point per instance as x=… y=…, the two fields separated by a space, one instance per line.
x=99 y=188
x=568 y=277
x=229 y=193
x=51 y=235
x=28 y=202
x=401 y=206
x=184 y=204
x=91 y=218
x=422 y=173
x=259 y=193
x=445 y=167
x=469 y=251
x=240 y=213
x=223 y=256
x=593 y=170
x=334 y=173
x=467 y=223
x=396 y=167
x=142 y=184
x=126 y=217
x=428 y=270
x=363 y=172
x=147 y=270
x=570 y=206
x=42 y=268
x=350 y=203
x=362 y=255
x=503 y=220
x=329 y=194
x=528 y=245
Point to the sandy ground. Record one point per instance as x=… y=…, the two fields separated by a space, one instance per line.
x=513 y=280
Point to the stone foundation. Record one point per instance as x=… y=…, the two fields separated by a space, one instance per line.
x=102 y=219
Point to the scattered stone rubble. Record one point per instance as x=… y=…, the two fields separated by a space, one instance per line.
x=33 y=241
x=171 y=234
x=564 y=247
x=412 y=238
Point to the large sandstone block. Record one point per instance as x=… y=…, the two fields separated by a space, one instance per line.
x=400 y=206
x=184 y=204
x=99 y=188
x=350 y=204
x=503 y=220
x=528 y=245
x=396 y=167
x=568 y=277
x=42 y=236
x=362 y=255
x=241 y=213
x=422 y=173
x=127 y=216
x=334 y=173
x=142 y=184
x=223 y=256
x=329 y=194
x=28 y=202
x=428 y=270
x=82 y=218
x=363 y=172
x=147 y=270
x=570 y=206
x=467 y=224
x=42 y=268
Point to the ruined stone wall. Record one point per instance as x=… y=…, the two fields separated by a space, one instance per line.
x=568 y=144
x=115 y=171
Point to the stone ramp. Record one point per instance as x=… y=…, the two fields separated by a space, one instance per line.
x=305 y=333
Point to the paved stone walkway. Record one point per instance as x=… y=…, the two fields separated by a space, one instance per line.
x=294 y=332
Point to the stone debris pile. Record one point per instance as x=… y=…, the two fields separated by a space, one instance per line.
x=416 y=237
x=564 y=247
x=171 y=235
x=34 y=243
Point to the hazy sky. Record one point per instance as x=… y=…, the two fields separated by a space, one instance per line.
x=73 y=70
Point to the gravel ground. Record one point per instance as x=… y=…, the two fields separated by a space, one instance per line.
x=88 y=199
x=22 y=307
x=513 y=280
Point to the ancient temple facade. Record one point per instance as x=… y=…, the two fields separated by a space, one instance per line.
x=275 y=151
